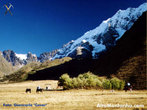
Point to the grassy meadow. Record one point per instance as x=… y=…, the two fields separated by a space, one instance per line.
x=14 y=93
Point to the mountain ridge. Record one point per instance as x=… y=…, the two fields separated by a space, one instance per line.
x=103 y=36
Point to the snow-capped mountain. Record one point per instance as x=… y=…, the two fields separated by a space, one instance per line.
x=11 y=57
x=102 y=37
x=22 y=59
x=19 y=59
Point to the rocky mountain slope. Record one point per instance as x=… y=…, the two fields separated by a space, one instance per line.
x=31 y=68
x=5 y=67
x=11 y=57
x=47 y=56
x=19 y=59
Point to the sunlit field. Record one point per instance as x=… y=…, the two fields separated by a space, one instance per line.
x=14 y=94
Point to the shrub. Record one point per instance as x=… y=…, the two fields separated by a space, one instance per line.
x=80 y=83
x=98 y=83
x=74 y=83
x=115 y=83
x=89 y=80
x=107 y=84
x=122 y=84
x=65 y=81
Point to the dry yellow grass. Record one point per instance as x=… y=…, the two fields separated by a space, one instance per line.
x=66 y=100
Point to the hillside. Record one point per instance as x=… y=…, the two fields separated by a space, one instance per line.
x=22 y=73
x=32 y=68
x=127 y=59
x=134 y=69
x=5 y=67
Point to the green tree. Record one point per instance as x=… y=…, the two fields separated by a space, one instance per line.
x=65 y=81
x=122 y=84
x=107 y=84
x=115 y=83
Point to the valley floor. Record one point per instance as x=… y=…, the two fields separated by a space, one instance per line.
x=14 y=93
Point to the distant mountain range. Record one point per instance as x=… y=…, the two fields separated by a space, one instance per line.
x=91 y=44
x=20 y=60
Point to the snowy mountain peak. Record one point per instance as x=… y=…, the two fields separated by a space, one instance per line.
x=19 y=59
x=106 y=34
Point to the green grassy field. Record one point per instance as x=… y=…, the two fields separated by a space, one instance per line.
x=14 y=93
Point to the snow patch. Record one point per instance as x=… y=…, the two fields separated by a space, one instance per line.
x=84 y=41
x=22 y=56
x=106 y=21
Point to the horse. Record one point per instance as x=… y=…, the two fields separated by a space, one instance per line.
x=28 y=90
x=39 y=90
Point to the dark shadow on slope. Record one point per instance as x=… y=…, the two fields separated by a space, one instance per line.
x=131 y=44
x=73 y=68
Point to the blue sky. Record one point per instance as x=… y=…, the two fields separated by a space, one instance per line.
x=44 y=25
